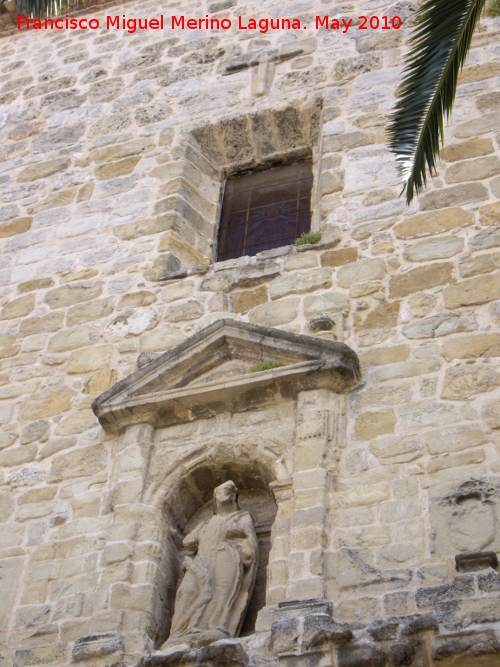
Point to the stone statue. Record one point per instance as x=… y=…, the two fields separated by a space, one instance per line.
x=219 y=576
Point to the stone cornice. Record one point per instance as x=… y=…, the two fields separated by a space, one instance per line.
x=174 y=388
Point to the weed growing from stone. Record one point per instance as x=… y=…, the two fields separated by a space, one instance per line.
x=264 y=365
x=308 y=237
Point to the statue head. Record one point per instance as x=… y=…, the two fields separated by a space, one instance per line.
x=226 y=497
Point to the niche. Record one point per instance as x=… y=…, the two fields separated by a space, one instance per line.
x=189 y=505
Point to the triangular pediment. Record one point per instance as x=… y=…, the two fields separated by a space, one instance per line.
x=214 y=367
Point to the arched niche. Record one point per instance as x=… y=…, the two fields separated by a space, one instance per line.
x=197 y=416
x=188 y=502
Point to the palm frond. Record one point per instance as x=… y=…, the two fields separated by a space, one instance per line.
x=43 y=8
x=440 y=43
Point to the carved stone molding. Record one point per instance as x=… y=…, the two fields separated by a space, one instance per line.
x=209 y=372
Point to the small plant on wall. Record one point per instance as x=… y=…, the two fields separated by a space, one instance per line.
x=264 y=365
x=308 y=237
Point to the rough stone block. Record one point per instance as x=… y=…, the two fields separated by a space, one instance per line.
x=427 y=224
x=473 y=291
x=457 y=195
x=462 y=382
x=421 y=278
x=361 y=271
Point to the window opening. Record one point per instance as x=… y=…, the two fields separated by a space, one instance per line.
x=264 y=210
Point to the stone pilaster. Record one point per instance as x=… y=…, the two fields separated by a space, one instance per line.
x=319 y=425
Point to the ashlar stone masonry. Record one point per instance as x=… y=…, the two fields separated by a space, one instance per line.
x=367 y=454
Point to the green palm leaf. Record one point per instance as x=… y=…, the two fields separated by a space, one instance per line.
x=439 y=46
x=44 y=8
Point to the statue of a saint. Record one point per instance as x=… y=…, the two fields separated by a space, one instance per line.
x=219 y=575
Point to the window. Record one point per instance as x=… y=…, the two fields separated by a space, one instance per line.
x=265 y=210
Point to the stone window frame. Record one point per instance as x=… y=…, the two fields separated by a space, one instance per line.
x=259 y=139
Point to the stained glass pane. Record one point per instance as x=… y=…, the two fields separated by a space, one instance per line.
x=265 y=210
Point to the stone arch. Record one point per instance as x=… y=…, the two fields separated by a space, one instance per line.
x=185 y=497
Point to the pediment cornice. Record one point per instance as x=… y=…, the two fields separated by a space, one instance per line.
x=208 y=373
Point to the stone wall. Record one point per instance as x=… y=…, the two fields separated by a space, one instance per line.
x=113 y=148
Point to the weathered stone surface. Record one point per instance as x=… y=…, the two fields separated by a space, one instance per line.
x=162 y=338
x=365 y=289
x=163 y=265
x=461 y=382
x=118 y=168
x=329 y=302
x=91 y=310
x=7 y=439
x=491 y=413
x=454 y=438
x=472 y=346
x=244 y=300
x=80 y=461
x=18 y=307
x=372 y=424
x=454 y=196
x=43 y=169
x=478 y=72
x=471 y=128
x=361 y=271
x=473 y=170
x=36 y=431
x=427 y=224
x=441 y=325
x=172 y=242
x=440 y=248
x=180 y=290
x=188 y=310
x=422 y=278
x=421 y=304
x=46 y=404
x=120 y=151
x=385 y=314
x=275 y=313
x=362 y=232
x=13 y=227
x=68 y=295
x=397 y=450
x=473 y=291
x=300 y=282
x=96 y=646
x=17 y=456
x=6 y=506
x=137 y=299
x=301 y=260
x=100 y=381
x=428 y=413
x=485 y=263
x=490 y=214
x=36 y=284
x=86 y=360
x=339 y=257
x=72 y=339
x=45 y=655
x=489 y=238
x=384 y=355
x=467 y=149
